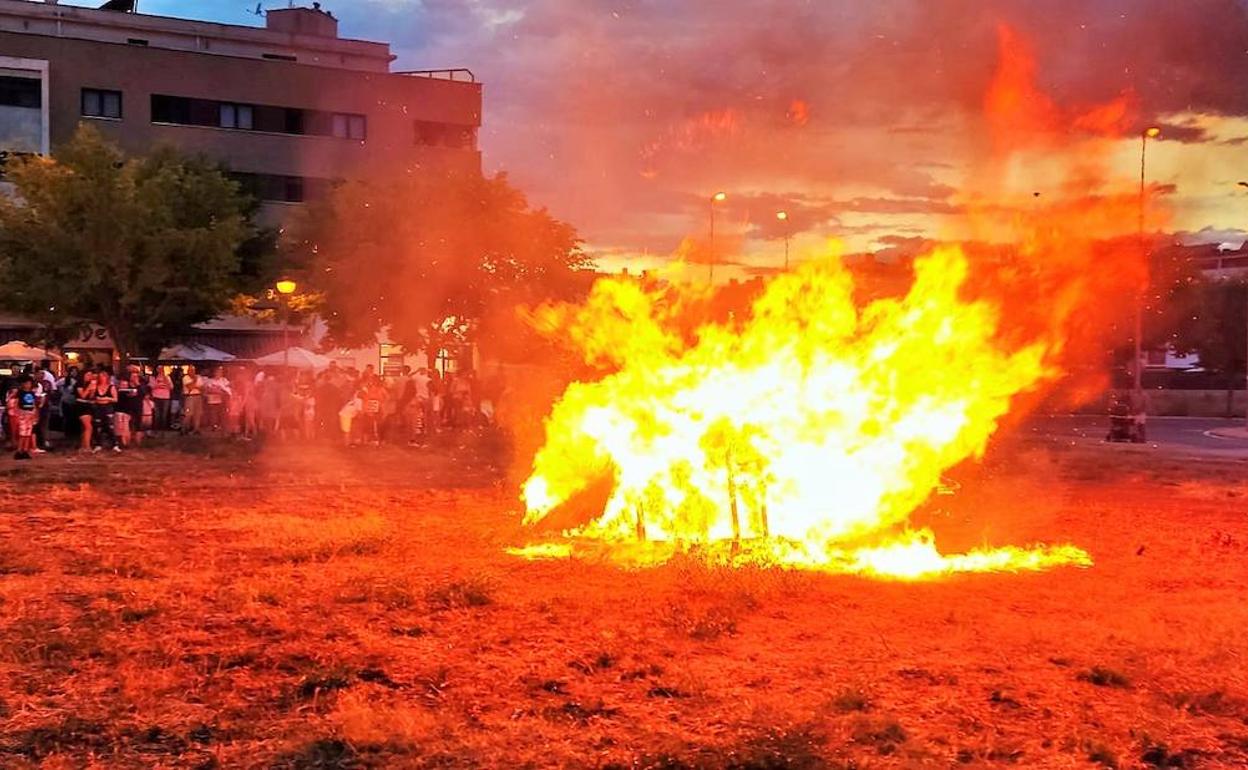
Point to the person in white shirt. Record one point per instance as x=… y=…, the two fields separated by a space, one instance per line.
x=46 y=381
x=217 y=395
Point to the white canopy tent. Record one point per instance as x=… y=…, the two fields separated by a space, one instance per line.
x=194 y=353
x=20 y=351
x=296 y=358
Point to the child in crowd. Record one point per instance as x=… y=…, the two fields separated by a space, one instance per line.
x=26 y=405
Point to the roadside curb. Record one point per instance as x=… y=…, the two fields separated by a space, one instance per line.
x=1231 y=433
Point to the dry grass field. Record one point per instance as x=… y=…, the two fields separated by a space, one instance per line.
x=316 y=608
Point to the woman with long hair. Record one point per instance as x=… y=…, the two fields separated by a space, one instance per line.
x=85 y=403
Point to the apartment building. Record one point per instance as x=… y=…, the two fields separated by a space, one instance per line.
x=289 y=107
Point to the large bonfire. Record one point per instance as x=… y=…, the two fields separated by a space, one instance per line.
x=806 y=431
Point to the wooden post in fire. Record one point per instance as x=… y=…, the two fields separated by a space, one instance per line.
x=641 y=523
x=732 y=503
x=762 y=509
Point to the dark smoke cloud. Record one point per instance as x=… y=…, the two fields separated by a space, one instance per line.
x=624 y=115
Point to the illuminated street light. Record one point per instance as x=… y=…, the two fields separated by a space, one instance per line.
x=718 y=197
x=783 y=216
x=286 y=286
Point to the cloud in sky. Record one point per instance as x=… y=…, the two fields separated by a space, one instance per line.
x=623 y=115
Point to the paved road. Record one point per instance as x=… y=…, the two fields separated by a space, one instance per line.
x=1190 y=435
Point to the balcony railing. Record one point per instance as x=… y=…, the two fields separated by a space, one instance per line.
x=457 y=74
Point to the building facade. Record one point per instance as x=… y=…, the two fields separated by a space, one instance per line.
x=289 y=108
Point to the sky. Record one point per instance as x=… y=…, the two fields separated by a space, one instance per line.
x=861 y=120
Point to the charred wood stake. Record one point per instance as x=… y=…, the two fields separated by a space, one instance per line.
x=732 y=504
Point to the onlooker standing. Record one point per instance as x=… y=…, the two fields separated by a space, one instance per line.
x=176 y=375
x=11 y=413
x=328 y=400
x=192 y=401
x=273 y=397
x=216 y=398
x=132 y=405
x=45 y=385
x=422 y=423
x=373 y=394
x=86 y=405
x=124 y=410
x=305 y=395
x=26 y=404
x=240 y=389
x=68 y=388
x=104 y=408
x=346 y=418
x=251 y=405
x=162 y=395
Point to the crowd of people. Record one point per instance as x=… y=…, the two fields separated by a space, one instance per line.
x=98 y=410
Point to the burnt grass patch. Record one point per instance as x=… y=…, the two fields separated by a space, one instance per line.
x=883 y=734
x=800 y=748
x=701 y=623
x=71 y=735
x=328 y=754
x=461 y=593
x=1104 y=677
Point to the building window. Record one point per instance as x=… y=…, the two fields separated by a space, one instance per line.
x=272 y=188
x=98 y=103
x=268 y=118
x=236 y=116
x=21 y=92
x=436 y=134
x=350 y=126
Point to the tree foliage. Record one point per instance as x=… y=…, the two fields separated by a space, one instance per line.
x=432 y=257
x=1215 y=325
x=144 y=246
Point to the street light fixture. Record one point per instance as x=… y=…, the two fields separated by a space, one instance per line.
x=783 y=216
x=718 y=197
x=1138 y=368
x=285 y=288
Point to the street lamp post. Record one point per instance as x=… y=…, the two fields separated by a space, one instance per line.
x=285 y=288
x=783 y=216
x=718 y=197
x=1137 y=390
x=1245 y=185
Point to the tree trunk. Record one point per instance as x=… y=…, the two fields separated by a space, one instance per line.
x=123 y=343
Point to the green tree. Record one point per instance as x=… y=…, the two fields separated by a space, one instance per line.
x=1216 y=325
x=146 y=246
x=435 y=258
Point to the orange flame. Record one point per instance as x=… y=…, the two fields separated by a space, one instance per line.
x=809 y=433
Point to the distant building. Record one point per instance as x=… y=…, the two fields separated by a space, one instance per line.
x=289 y=108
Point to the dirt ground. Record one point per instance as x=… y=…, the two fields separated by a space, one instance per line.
x=216 y=606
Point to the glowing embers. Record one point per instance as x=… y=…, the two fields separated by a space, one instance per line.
x=802 y=434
